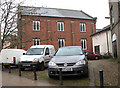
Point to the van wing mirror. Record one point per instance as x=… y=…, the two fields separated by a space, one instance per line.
x=23 y=53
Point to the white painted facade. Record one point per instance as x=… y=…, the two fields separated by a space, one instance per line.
x=100 y=39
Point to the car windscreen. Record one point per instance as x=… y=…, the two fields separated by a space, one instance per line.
x=35 y=51
x=69 y=52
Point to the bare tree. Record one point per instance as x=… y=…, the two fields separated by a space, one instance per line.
x=8 y=21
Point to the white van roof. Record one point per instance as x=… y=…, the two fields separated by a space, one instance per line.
x=12 y=50
x=42 y=46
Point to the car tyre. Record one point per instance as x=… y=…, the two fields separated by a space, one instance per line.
x=96 y=58
x=50 y=76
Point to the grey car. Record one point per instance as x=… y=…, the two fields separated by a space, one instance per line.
x=72 y=61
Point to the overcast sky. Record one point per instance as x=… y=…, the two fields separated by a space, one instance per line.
x=95 y=8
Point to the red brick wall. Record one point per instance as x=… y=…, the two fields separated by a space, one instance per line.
x=50 y=24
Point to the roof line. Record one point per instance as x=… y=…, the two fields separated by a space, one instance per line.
x=57 y=8
x=58 y=17
x=86 y=14
x=102 y=30
x=62 y=9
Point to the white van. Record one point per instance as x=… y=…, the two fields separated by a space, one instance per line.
x=11 y=56
x=38 y=55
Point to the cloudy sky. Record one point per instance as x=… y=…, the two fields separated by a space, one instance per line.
x=95 y=8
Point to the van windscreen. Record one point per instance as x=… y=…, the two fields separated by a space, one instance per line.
x=35 y=51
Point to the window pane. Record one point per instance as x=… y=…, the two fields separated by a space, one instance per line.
x=34 y=25
x=58 y=26
x=38 y=25
x=38 y=42
x=59 y=43
x=34 y=42
x=81 y=27
x=62 y=43
x=82 y=43
x=61 y=26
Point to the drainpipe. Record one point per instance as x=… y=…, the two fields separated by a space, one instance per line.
x=72 y=33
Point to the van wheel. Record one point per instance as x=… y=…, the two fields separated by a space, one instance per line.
x=42 y=66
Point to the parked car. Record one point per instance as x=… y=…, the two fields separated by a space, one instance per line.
x=91 y=55
x=11 y=56
x=38 y=55
x=72 y=61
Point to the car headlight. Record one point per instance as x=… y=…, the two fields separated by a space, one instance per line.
x=81 y=62
x=35 y=59
x=51 y=63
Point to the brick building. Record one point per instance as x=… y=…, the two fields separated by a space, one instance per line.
x=58 y=27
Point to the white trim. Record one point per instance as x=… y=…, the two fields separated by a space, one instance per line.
x=61 y=23
x=35 y=41
x=36 y=25
x=84 y=41
x=83 y=25
x=61 y=41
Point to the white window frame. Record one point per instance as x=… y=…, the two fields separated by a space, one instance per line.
x=84 y=46
x=82 y=27
x=61 y=40
x=35 y=41
x=37 y=24
x=61 y=25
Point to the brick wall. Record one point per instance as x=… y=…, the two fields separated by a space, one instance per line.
x=71 y=33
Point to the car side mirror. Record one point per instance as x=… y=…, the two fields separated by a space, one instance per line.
x=23 y=53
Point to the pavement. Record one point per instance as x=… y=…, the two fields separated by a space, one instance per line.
x=15 y=80
x=7 y=79
x=0 y=73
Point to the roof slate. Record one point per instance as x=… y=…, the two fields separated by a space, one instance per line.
x=53 y=12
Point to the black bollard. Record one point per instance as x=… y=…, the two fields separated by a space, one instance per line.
x=9 y=68
x=101 y=78
x=2 y=66
x=60 y=76
x=34 y=70
x=19 y=70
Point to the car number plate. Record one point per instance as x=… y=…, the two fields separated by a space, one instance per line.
x=26 y=65
x=67 y=69
x=5 y=63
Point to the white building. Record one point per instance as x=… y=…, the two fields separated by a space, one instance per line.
x=102 y=42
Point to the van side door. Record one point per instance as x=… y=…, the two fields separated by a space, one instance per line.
x=47 y=56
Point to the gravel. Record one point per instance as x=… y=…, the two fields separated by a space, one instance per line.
x=110 y=71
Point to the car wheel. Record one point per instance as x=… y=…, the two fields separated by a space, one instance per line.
x=87 y=73
x=42 y=66
x=50 y=76
x=96 y=58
